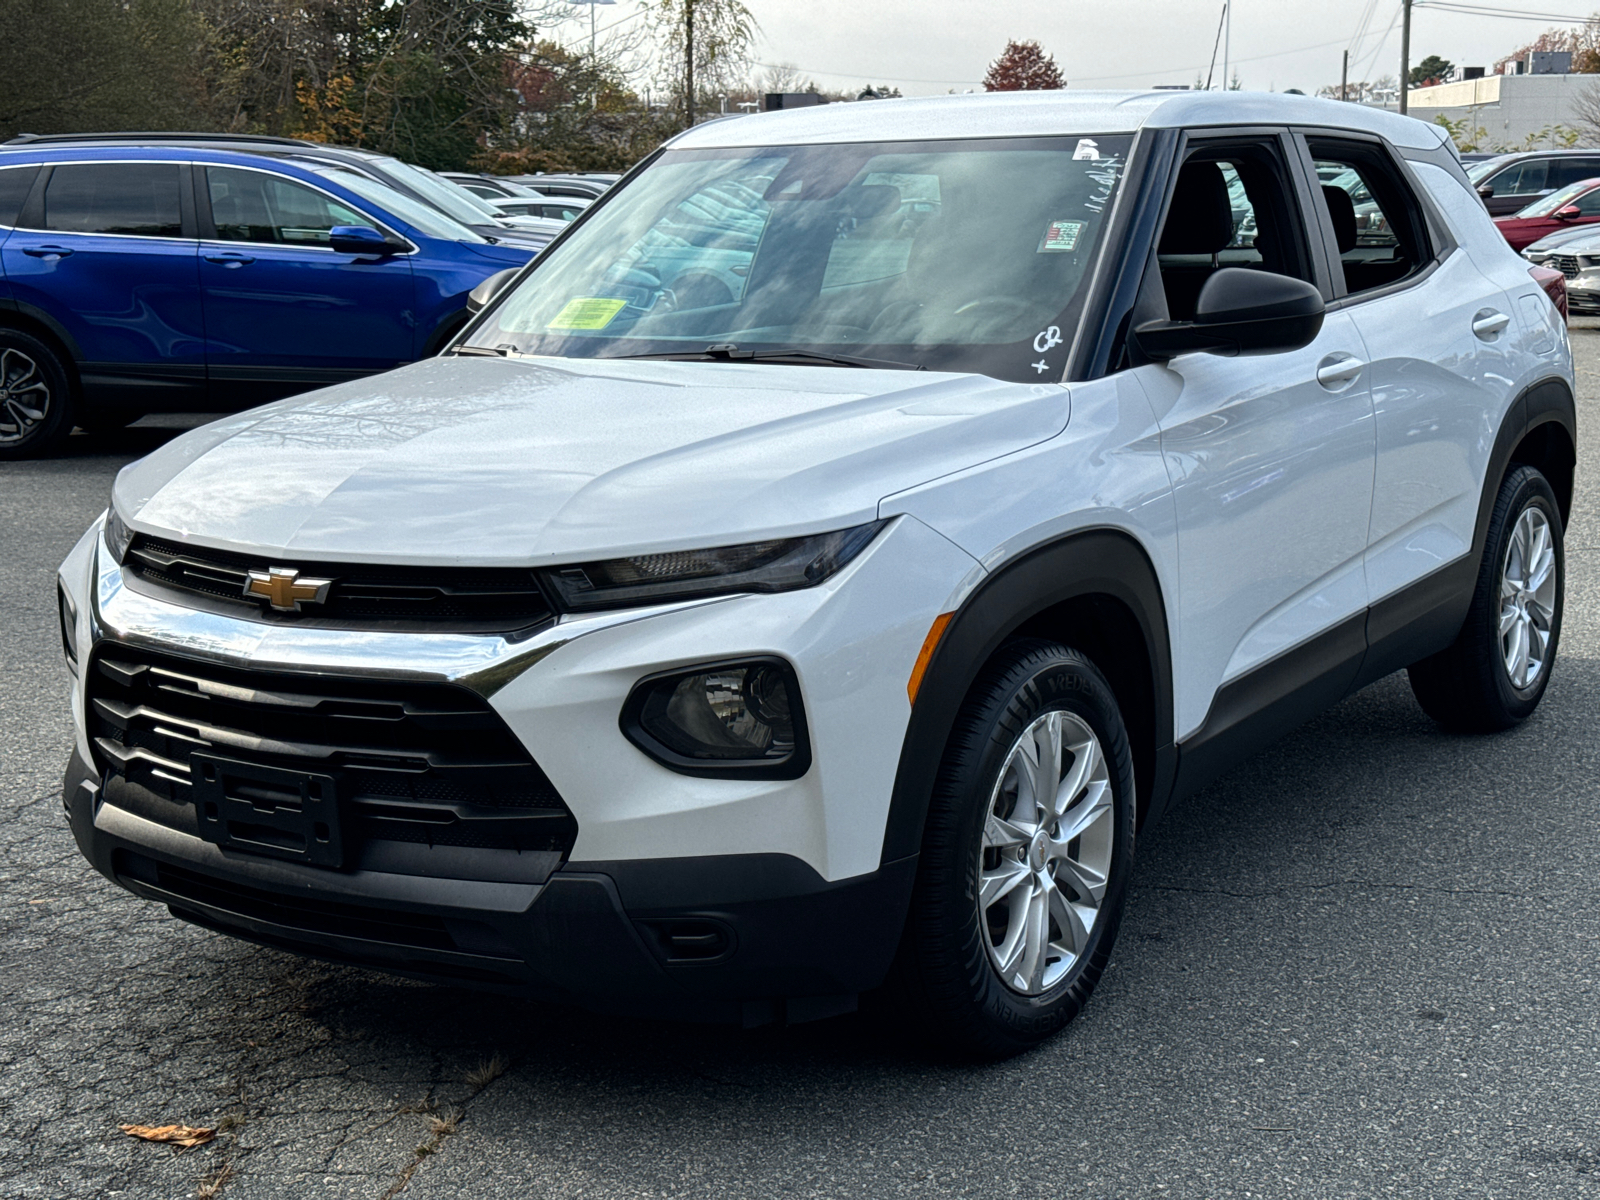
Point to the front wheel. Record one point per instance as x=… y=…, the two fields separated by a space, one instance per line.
x=36 y=401
x=1496 y=672
x=1026 y=855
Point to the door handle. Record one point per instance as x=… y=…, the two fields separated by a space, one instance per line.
x=1488 y=323
x=230 y=260
x=1338 y=369
x=47 y=251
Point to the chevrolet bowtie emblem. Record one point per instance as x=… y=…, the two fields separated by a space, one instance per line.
x=284 y=590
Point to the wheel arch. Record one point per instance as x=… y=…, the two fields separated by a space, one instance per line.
x=1094 y=590
x=1540 y=430
x=30 y=320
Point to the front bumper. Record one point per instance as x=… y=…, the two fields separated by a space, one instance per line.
x=735 y=938
x=721 y=899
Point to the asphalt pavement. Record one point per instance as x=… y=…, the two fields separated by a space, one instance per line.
x=1363 y=964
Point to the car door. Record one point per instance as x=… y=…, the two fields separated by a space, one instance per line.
x=1270 y=456
x=1434 y=332
x=285 y=311
x=107 y=251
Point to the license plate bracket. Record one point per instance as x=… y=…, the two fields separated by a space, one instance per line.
x=274 y=811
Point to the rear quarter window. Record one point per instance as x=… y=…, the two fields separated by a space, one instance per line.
x=15 y=184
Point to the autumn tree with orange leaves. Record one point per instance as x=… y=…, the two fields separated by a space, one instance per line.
x=1023 y=67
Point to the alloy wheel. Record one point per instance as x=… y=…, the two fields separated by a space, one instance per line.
x=1527 y=598
x=24 y=396
x=1045 y=854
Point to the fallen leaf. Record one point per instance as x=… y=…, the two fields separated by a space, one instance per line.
x=179 y=1135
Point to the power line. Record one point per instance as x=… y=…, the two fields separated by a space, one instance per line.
x=1479 y=10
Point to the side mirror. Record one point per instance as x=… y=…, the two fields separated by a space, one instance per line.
x=1570 y=213
x=1239 y=312
x=479 y=297
x=1485 y=190
x=359 y=239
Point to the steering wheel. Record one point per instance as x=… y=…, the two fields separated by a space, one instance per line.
x=1003 y=306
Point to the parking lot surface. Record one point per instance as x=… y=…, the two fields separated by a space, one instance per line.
x=1363 y=964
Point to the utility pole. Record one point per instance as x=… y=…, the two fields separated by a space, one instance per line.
x=1344 y=75
x=688 y=58
x=1405 y=54
x=1227 y=38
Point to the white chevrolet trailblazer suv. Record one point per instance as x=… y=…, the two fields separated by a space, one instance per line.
x=810 y=574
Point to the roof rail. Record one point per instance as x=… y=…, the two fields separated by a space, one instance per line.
x=35 y=139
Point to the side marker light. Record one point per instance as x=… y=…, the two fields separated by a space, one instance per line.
x=929 y=645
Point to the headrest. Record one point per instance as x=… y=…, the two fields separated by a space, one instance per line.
x=1343 y=211
x=1200 y=218
x=871 y=199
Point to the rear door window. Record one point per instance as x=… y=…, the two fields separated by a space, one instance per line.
x=1377 y=221
x=135 y=199
x=1571 y=170
x=253 y=206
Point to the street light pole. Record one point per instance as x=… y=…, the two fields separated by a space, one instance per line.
x=1405 y=54
x=1344 y=76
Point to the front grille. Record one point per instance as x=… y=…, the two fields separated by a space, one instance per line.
x=427 y=775
x=363 y=596
x=1567 y=264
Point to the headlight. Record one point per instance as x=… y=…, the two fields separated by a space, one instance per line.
x=740 y=720
x=782 y=565
x=118 y=535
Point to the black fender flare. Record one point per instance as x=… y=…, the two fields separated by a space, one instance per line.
x=38 y=316
x=1094 y=562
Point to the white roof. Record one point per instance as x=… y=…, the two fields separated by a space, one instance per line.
x=1044 y=114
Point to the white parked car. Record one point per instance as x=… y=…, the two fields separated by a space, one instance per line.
x=708 y=643
x=1576 y=254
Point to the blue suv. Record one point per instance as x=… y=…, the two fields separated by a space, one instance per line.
x=141 y=278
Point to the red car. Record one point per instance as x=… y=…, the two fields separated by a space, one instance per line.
x=1575 y=204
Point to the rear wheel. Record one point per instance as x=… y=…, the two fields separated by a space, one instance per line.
x=1026 y=855
x=1495 y=673
x=36 y=399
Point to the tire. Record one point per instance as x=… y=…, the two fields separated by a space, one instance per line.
x=1471 y=687
x=36 y=397
x=975 y=982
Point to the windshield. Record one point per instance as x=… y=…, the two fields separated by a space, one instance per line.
x=459 y=203
x=1546 y=205
x=419 y=216
x=957 y=256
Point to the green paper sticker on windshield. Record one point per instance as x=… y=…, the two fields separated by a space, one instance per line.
x=1060 y=236
x=587 y=312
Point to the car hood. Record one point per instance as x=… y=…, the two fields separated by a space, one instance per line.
x=1570 y=241
x=483 y=461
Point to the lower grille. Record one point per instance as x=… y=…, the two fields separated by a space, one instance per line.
x=429 y=779
x=1567 y=264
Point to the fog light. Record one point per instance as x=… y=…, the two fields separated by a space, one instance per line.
x=738 y=720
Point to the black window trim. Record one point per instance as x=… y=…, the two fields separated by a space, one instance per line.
x=1441 y=242
x=31 y=216
x=208 y=226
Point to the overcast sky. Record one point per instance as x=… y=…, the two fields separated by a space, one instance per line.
x=926 y=47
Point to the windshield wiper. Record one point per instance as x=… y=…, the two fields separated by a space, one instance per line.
x=483 y=351
x=728 y=352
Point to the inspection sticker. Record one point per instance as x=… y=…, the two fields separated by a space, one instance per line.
x=1060 y=235
x=587 y=312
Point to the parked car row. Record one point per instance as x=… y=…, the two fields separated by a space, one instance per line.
x=208 y=272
